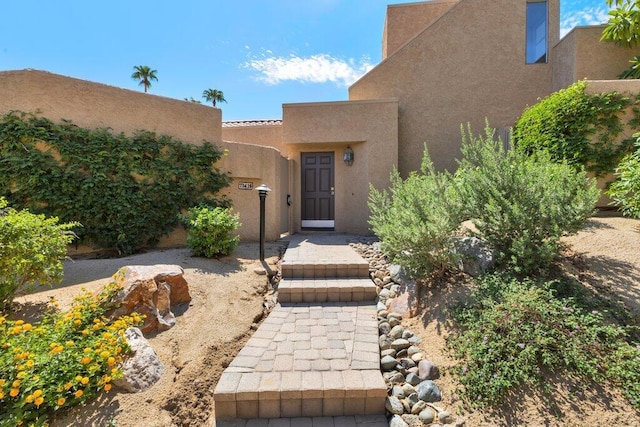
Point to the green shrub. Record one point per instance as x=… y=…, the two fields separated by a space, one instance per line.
x=63 y=360
x=579 y=128
x=518 y=332
x=126 y=191
x=416 y=219
x=625 y=190
x=210 y=231
x=521 y=205
x=31 y=250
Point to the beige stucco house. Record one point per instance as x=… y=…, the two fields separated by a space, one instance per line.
x=445 y=63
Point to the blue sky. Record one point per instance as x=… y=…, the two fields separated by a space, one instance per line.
x=260 y=53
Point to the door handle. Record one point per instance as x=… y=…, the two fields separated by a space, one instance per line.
x=333 y=191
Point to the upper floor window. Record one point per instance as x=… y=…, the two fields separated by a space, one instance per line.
x=537 y=32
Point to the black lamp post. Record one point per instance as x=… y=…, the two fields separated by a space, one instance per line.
x=262 y=193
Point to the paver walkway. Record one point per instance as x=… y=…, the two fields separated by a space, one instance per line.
x=317 y=354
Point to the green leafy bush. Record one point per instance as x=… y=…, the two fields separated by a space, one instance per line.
x=517 y=332
x=521 y=205
x=416 y=219
x=210 y=230
x=625 y=190
x=126 y=191
x=63 y=360
x=583 y=130
x=31 y=250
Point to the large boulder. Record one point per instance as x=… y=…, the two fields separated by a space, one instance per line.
x=406 y=300
x=475 y=256
x=151 y=290
x=143 y=368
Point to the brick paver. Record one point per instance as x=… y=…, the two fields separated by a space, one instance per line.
x=316 y=355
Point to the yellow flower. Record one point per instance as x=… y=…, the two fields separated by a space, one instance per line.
x=14 y=392
x=2 y=319
x=1 y=382
x=67 y=386
x=78 y=393
x=20 y=322
x=29 y=398
x=87 y=349
x=39 y=401
x=27 y=327
x=85 y=360
x=30 y=363
x=78 y=378
x=77 y=322
x=107 y=387
x=111 y=361
x=21 y=375
x=1 y=395
x=104 y=354
x=37 y=393
x=61 y=401
x=16 y=330
x=70 y=343
x=85 y=332
x=84 y=381
x=16 y=384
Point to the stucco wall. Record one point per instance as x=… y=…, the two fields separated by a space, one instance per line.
x=369 y=127
x=404 y=21
x=467 y=65
x=581 y=55
x=268 y=135
x=96 y=105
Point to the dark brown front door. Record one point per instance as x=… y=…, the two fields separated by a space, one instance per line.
x=317 y=190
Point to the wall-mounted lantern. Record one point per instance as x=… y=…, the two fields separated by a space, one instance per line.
x=262 y=193
x=348 y=156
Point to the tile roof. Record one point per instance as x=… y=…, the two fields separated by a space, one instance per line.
x=243 y=123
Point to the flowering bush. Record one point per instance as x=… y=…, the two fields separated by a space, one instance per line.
x=65 y=359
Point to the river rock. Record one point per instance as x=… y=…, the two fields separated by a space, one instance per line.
x=444 y=417
x=427 y=416
x=417 y=357
x=428 y=391
x=428 y=370
x=400 y=344
x=384 y=328
x=407 y=363
x=396 y=332
x=413 y=379
x=397 y=391
x=388 y=352
x=475 y=256
x=396 y=421
x=394 y=405
x=412 y=420
x=142 y=368
x=388 y=363
x=413 y=350
x=394 y=377
x=418 y=407
x=408 y=389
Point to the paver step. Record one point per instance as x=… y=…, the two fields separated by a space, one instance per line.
x=311 y=360
x=324 y=269
x=324 y=290
x=344 y=421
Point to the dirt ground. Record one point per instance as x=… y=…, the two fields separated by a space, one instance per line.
x=605 y=257
x=227 y=298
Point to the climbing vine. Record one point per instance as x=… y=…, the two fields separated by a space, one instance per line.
x=126 y=191
x=590 y=131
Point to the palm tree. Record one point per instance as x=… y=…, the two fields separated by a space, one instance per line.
x=213 y=95
x=145 y=75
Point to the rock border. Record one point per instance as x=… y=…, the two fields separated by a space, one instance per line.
x=410 y=377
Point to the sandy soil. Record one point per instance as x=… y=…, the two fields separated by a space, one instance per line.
x=605 y=257
x=227 y=299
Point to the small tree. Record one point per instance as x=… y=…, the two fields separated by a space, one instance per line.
x=214 y=96
x=144 y=75
x=211 y=231
x=625 y=191
x=31 y=250
x=623 y=28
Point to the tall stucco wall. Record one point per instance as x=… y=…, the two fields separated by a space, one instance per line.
x=581 y=55
x=268 y=135
x=467 y=65
x=369 y=128
x=405 y=21
x=96 y=105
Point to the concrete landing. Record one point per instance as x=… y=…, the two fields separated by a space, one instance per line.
x=310 y=359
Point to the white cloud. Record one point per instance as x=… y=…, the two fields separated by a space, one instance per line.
x=589 y=16
x=321 y=68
